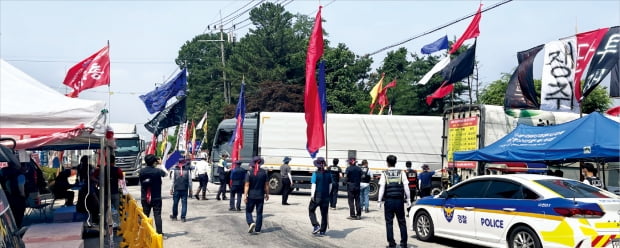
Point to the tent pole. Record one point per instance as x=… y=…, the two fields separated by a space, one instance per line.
x=101 y=207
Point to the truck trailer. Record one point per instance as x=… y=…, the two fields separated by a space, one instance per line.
x=274 y=135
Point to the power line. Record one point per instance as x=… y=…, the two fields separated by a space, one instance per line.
x=436 y=29
x=217 y=21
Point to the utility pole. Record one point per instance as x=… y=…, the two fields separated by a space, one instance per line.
x=226 y=86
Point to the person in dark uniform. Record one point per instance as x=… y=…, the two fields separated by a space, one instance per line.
x=256 y=192
x=353 y=175
x=150 y=187
x=62 y=188
x=425 y=179
x=319 y=196
x=115 y=174
x=237 y=177
x=392 y=187
x=336 y=173
x=412 y=178
x=181 y=186
x=286 y=179
x=221 y=173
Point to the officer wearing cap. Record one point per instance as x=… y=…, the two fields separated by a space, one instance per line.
x=353 y=176
x=425 y=179
x=221 y=172
x=286 y=179
x=319 y=196
x=256 y=192
x=237 y=176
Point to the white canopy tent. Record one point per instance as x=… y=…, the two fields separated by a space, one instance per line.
x=36 y=115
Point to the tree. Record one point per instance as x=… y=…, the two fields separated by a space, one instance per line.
x=598 y=100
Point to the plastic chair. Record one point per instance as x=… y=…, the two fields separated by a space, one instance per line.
x=46 y=201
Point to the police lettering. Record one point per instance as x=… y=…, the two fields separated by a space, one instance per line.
x=492 y=222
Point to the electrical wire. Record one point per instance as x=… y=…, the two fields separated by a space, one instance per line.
x=221 y=19
x=436 y=29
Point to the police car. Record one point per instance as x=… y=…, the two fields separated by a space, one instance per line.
x=520 y=210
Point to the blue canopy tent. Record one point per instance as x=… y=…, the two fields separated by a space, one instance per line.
x=590 y=138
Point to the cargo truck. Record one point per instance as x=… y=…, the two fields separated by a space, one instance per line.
x=129 y=149
x=274 y=135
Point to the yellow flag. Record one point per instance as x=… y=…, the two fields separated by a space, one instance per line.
x=164 y=142
x=375 y=90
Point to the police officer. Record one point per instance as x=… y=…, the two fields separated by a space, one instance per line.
x=221 y=172
x=237 y=177
x=336 y=173
x=353 y=174
x=412 y=178
x=392 y=187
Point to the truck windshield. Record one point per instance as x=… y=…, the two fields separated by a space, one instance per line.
x=126 y=147
x=223 y=137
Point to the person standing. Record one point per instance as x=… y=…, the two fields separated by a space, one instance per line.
x=336 y=173
x=286 y=179
x=589 y=175
x=425 y=179
x=412 y=178
x=237 y=176
x=392 y=187
x=115 y=174
x=203 y=179
x=222 y=170
x=256 y=192
x=319 y=196
x=365 y=185
x=150 y=189
x=353 y=175
x=181 y=186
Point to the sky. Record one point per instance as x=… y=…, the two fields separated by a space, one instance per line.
x=46 y=38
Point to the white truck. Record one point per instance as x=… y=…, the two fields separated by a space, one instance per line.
x=470 y=127
x=129 y=149
x=273 y=135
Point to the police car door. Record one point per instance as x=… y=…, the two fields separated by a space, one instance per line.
x=496 y=209
x=456 y=216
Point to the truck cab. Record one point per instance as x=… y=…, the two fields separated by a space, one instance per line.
x=129 y=149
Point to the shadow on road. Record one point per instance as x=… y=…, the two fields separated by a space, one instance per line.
x=340 y=234
x=174 y=234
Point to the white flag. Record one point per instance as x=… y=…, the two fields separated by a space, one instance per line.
x=558 y=75
x=438 y=67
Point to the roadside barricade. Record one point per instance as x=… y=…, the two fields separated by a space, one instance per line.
x=136 y=228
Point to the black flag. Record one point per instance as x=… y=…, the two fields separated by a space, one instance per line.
x=461 y=67
x=170 y=116
x=614 y=83
x=605 y=58
x=520 y=93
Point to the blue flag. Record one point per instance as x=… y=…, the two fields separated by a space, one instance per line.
x=437 y=45
x=155 y=100
x=322 y=89
x=173 y=159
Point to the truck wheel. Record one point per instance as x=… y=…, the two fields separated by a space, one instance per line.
x=435 y=191
x=373 y=193
x=275 y=184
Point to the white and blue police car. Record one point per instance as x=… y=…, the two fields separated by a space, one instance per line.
x=520 y=210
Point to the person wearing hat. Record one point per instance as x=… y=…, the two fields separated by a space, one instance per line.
x=319 y=196
x=392 y=189
x=286 y=179
x=237 y=175
x=353 y=176
x=150 y=188
x=256 y=192
x=589 y=174
x=203 y=179
x=181 y=186
x=222 y=170
x=425 y=179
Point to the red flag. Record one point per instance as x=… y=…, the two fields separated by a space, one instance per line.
x=237 y=139
x=382 y=99
x=587 y=43
x=444 y=90
x=151 y=149
x=312 y=106
x=89 y=73
x=472 y=31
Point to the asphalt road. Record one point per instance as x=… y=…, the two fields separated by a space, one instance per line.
x=210 y=224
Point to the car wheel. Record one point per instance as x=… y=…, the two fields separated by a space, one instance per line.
x=523 y=237
x=423 y=226
x=275 y=184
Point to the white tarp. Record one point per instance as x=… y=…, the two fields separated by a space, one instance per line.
x=37 y=115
